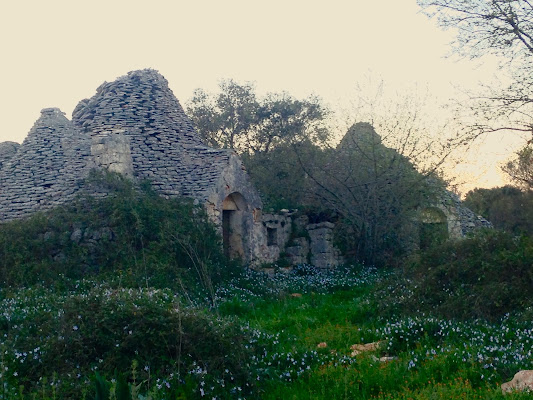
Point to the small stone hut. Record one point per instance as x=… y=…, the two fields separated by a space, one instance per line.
x=137 y=127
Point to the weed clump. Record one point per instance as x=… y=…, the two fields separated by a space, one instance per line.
x=106 y=330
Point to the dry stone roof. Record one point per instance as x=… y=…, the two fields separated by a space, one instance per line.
x=47 y=169
x=359 y=135
x=142 y=112
x=7 y=151
x=468 y=220
x=165 y=147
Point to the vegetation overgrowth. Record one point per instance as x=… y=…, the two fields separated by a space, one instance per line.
x=130 y=232
x=486 y=275
x=148 y=308
x=282 y=336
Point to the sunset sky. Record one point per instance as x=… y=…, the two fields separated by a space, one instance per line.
x=57 y=52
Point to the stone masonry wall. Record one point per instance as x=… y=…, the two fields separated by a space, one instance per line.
x=289 y=236
x=323 y=253
x=461 y=220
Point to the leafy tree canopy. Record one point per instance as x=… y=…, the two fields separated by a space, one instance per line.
x=520 y=169
x=507 y=207
x=238 y=119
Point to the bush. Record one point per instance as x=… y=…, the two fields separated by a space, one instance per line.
x=483 y=276
x=108 y=330
x=130 y=232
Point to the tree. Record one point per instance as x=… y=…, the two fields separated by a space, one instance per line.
x=280 y=176
x=368 y=182
x=376 y=191
x=507 y=208
x=520 y=170
x=504 y=28
x=235 y=118
x=273 y=134
x=285 y=121
x=226 y=120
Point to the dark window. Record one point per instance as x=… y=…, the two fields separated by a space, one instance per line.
x=272 y=236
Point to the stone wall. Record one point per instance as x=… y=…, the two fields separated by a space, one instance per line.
x=461 y=220
x=288 y=237
x=323 y=253
x=112 y=151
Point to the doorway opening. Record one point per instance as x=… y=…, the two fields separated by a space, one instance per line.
x=233 y=208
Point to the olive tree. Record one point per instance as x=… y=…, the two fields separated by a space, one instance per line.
x=520 y=169
x=238 y=119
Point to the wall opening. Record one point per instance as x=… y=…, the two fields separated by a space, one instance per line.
x=233 y=208
x=272 y=237
x=433 y=227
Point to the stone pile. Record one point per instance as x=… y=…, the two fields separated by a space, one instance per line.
x=47 y=169
x=163 y=143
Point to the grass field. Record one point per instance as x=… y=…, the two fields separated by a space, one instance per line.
x=281 y=337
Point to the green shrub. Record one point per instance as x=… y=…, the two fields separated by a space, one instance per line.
x=107 y=330
x=131 y=232
x=483 y=276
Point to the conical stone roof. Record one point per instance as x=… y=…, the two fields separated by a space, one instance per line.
x=165 y=147
x=360 y=135
x=47 y=168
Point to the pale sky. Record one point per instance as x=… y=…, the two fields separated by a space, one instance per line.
x=57 y=52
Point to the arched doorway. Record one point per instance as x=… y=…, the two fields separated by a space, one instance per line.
x=233 y=208
x=433 y=227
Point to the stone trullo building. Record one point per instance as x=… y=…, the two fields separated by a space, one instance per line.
x=445 y=212
x=137 y=127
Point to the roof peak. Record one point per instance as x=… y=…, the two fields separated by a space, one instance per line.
x=52 y=111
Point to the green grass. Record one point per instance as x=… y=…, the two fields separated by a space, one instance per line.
x=260 y=343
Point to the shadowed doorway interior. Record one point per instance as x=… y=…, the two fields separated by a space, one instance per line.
x=233 y=209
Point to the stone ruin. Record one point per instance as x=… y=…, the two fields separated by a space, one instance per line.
x=7 y=151
x=447 y=216
x=291 y=238
x=46 y=170
x=135 y=126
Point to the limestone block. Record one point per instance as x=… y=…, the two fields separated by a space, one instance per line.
x=298 y=252
x=522 y=381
